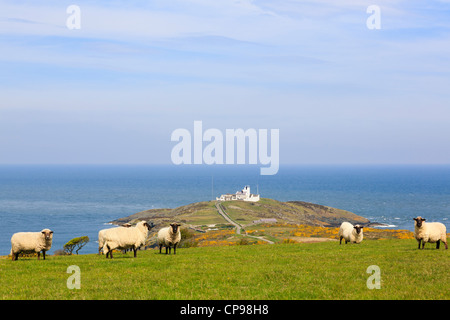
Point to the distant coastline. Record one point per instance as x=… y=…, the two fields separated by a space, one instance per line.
x=77 y=200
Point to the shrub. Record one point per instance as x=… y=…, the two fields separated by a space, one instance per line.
x=242 y=242
x=59 y=252
x=187 y=238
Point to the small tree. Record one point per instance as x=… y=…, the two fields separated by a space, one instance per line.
x=75 y=243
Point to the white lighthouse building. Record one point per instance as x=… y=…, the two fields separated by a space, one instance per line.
x=244 y=195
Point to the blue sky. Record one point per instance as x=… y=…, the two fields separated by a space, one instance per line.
x=114 y=90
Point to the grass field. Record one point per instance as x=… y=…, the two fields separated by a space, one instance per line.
x=282 y=271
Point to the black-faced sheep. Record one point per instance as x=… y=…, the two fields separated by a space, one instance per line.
x=169 y=237
x=123 y=238
x=429 y=232
x=350 y=233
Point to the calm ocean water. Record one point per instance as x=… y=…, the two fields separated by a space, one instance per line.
x=79 y=200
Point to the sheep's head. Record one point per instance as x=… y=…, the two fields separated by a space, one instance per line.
x=174 y=227
x=358 y=228
x=48 y=234
x=418 y=221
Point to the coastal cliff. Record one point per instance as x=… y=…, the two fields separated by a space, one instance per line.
x=245 y=213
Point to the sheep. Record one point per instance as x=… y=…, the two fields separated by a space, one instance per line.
x=102 y=236
x=350 y=233
x=429 y=232
x=123 y=238
x=31 y=242
x=169 y=236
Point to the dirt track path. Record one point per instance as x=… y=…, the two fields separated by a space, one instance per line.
x=223 y=213
x=227 y=217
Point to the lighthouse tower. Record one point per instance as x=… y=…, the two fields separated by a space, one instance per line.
x=246 y=191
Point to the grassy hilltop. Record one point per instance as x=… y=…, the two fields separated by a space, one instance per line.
x=323 y=270
x=205 y=213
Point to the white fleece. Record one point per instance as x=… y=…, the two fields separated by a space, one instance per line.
x=349 y=234
x=167 y=238
x=30 y=242
x=123 y=238
x=430 y=232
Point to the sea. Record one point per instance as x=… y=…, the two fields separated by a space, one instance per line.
x=80 y=200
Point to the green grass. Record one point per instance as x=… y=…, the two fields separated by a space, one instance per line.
x=282 y=271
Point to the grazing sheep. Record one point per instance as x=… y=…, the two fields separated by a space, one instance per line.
x=350 y=233
x=31 y=242
x=123 y=238
x=169 y=236
x=429 y=232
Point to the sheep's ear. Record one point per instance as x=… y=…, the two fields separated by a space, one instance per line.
x=415 y=219
x=423 y=219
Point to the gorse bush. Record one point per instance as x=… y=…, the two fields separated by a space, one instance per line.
x=187 y=238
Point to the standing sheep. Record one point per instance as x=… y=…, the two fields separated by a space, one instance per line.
x=429 y=232
x=169 y=236
x=350 y=233
x=123 y=238
x=31 y=242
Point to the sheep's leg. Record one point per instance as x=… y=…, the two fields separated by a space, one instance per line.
x=423 y=244
x=174 y=248
x=134 y=250
x=39 y=255
x=109 y=252
x=340 y=239
x=43 y=254
x=419 y=244
x=438 y=244
x=160 y=247
x=167 y=249
x=446 y=247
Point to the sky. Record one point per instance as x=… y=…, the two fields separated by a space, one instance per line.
x=113 y=91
